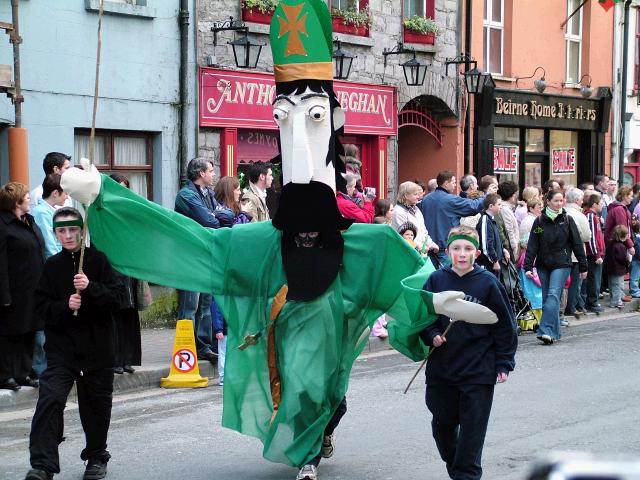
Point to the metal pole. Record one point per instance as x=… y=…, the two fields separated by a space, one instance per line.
x=184 y=91
x=16 y=41
x=467 y=115
x=623 y=94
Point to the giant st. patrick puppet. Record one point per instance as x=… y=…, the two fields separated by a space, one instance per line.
x=299 y=293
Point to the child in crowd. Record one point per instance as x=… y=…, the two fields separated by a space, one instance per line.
x=616 y=264
x=595 y=251
x=491 y=251
x=634 y=275
x=408 y=231
x=220 y=333
x=466 y=364
x=384 y=212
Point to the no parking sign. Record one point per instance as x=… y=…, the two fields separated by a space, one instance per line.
x=184 y=371
x=184 y=360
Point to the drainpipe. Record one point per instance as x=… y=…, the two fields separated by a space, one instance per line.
x=184 y=90
x=623 y=94
x=18 y=141
x=467 y=115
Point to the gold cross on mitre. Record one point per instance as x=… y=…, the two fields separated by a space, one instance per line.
x=294 y=26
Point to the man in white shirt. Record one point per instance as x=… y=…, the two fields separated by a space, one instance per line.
x=54 y=162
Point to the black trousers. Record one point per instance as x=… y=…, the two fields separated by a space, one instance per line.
x=331 y=426
x=459 y=425
x=95 y=392
x=16 y=355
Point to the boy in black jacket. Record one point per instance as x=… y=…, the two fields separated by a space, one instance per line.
x=491 y=250
x=465 y=365
x=77 y=309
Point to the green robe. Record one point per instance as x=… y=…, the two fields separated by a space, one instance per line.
x=317 y=341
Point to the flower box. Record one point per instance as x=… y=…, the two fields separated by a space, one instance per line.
x=424 y=38
x=256 y=16
x=340 y=27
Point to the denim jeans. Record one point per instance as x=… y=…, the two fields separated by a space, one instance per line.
x=594 y=276
x=616 y=287
x=634 y=277
x=552 y=285
x=196 y=307
x=222 y=354
x=574 y=299
x=39 y=364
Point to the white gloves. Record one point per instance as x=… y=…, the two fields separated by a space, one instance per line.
x=452 y=305
x=83 y=185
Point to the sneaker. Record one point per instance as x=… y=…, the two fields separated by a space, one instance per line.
x=37 y=474
x=328 y=445
x=564 y=323
x=627 y=298
x=210 y=356
x=308 y=472
x=95 y=470
x=546 y=339
x=596 y=309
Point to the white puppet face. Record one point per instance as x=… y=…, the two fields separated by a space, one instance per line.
x=305 y=133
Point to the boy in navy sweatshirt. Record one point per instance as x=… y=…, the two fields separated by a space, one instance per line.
x=491 y=250
x=466 y=364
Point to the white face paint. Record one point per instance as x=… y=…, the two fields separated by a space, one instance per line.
x=305 y=132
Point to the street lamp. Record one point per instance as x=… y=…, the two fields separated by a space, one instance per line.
x=540 y=83
x=342 y=61
x=245 y=52
x=414 y=71
x=476 y=81
x=585 y=90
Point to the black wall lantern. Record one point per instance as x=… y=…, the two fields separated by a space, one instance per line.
x=476 y=81
x=414 y=71
x=245 y=52
x=342 y=61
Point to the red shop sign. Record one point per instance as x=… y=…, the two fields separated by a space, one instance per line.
x=563 y=161
x=243 y=100
x=505 y=159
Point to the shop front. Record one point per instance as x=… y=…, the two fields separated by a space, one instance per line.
x=238 y=105
x=530 y=138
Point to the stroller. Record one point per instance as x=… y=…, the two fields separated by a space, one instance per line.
x=526 y=318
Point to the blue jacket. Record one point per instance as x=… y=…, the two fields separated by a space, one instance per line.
x=472 y=354
x=636 y=246
x=43 y=215
x=442 y=211
x=199 y=205
x=490 y=243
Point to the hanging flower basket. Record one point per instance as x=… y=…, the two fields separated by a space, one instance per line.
x=419 y=29
x=352 y=22
x=258 y=11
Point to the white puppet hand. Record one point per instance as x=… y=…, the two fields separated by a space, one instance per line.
x=453 y=305
x=83 y=185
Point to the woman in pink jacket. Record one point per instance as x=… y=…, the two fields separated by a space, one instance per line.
x=348 y=206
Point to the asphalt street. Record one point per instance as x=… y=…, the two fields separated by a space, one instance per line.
x=581 y=394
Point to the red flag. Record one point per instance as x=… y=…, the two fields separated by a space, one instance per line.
x=607 y=4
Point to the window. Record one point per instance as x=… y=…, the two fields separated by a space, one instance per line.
x=127 y=153
x=345 y=4
x=493 y=35
x=414 y=7
x=573 y=40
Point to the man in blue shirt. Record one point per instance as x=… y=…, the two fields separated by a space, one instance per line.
x=442 y=210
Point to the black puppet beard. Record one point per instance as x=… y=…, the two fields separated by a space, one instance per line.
x=310 y=271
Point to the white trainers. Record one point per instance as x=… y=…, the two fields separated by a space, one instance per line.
x=328 y=445
x=308 y=472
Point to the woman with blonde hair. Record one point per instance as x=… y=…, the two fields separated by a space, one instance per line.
x=409 y=194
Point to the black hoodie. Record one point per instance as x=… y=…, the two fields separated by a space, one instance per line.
x=472 y=354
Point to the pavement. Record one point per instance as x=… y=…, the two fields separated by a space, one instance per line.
x=157 y=348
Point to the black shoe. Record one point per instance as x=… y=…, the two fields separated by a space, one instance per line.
x=9 y=384
x=28 y=382
x=95 y=470
x=210 y=356
x=36 y=474
x=596 y=309
x=128 y=369
x=118 y=370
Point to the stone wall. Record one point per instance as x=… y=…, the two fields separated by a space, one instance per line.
x=368 y=67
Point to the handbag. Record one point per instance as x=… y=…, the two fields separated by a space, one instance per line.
x=143 y=295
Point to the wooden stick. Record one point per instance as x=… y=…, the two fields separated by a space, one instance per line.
x=92 y=140
x=424 y=362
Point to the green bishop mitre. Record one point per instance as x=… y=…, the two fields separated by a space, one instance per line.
x=301 y=43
